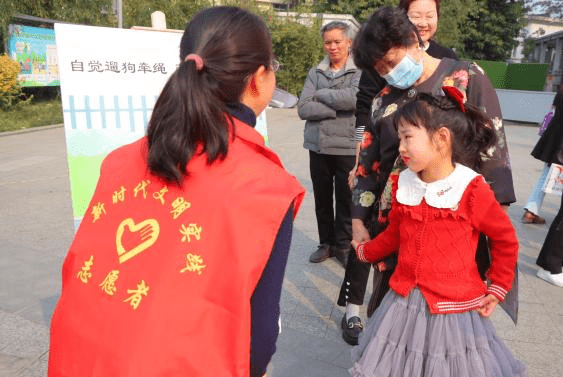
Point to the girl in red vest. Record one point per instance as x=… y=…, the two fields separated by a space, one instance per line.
x=433 y=321
x=177 y=267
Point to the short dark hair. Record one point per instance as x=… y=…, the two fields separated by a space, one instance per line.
x=191 y=111
x=342 y=26
x=473 y=132
x=405 y=4
x=386 y=28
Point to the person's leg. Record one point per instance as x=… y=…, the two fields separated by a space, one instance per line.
x=322 y=180
x=343 y=198
x=380 y=289
x=354 y=285
x=535 y=200
x=550 y=258
x=352 y=292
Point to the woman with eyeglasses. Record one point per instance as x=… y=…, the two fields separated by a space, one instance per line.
x=327 y=104
x=184 y=276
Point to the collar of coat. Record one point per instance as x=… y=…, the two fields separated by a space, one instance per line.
x=445 y=193
x=324 y=65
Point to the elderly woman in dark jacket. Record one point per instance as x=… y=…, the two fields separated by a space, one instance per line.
x=390 y=40
x=424 y=14
x=549 y=149
x=327 y=103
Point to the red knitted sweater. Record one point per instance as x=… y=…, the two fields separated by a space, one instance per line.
x=437 y=245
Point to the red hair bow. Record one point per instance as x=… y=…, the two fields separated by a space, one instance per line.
x=457 y=95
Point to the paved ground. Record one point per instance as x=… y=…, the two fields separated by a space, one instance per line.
x=36 y=230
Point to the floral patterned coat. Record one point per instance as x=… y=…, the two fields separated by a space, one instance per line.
x=378 y=159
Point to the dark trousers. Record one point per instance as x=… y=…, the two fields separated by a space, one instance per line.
x=353 y=288
x=551 y=253
x=329 y=174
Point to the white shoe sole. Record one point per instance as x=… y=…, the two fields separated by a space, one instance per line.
x=547 y=276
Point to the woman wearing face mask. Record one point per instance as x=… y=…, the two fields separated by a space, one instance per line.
x=389 y=44
x=424 y=15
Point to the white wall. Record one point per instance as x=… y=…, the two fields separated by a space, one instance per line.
x=523 y=105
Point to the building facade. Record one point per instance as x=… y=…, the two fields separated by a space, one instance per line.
x=548 y=49
x=538 y=26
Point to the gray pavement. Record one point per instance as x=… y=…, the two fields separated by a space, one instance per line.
x=36 y=229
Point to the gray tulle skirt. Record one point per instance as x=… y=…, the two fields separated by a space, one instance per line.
x=403 y=339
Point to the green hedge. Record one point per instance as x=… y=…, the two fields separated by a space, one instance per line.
x=528 y=76
x=298 y=48
x=516 y=76
x=496 y=71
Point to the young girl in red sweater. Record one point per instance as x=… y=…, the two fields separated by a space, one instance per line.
x=433 y=321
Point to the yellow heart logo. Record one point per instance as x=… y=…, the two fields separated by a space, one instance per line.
x=145 y=234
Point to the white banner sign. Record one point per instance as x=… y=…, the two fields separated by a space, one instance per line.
x=110 y=79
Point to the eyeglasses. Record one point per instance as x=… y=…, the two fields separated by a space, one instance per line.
x=275 y=65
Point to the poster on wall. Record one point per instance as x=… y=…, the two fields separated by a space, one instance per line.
x=110 y=80
x=34 y=48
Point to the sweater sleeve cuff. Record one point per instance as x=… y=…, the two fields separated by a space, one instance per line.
x=360 y=133
x=497 y=291
x=360 y=252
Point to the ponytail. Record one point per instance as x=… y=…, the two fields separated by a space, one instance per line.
x=223 y=46
x=183 y=119
x=480 y=139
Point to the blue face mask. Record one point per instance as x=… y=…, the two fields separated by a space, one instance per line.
x=404 y=74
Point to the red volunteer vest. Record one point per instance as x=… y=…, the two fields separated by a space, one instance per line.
x=158 y=279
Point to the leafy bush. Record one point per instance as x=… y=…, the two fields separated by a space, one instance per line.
x=296 y=42
x=298 y=48
x=11 y=95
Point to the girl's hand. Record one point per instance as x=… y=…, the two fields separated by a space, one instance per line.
x=487 y=306
x=355 y=244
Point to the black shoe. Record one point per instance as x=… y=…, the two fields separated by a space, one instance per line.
x=342 y=256
x=322 y=253
x=351 y=329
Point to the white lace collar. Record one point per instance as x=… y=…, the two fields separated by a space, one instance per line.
x=445 y=193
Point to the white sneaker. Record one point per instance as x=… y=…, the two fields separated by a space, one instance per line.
x=555 y=279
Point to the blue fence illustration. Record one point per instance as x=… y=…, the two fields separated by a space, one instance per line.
x=110 y=107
